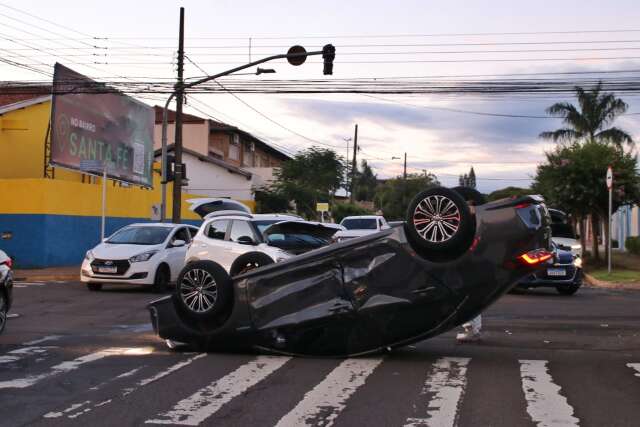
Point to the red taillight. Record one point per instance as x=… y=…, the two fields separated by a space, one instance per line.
x=535 y=257
x=8 y=263
x=523 y=205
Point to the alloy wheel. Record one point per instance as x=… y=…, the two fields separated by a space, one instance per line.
x=436 y=218
x=198 y=290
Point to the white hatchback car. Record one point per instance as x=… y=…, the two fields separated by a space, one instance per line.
x=358 y=226
x=139 y=254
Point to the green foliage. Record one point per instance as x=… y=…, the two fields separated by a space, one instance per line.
x=507 y=192
x=341 y=210
x=312 y=176
x=633 y=245
x=393 y=197
x=366 y=183
x=468 y=180
x=573 y=178
x=269 y=201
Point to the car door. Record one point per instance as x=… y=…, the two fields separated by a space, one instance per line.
x=176 y=254
x=214 y=245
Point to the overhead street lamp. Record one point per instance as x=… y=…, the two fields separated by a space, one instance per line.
x=295 y=56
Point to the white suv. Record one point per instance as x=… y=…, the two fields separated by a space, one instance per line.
x=358 y=226
x=225 y=237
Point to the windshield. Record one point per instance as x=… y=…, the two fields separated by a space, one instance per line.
x=263 y=224
x=559 y=229
x=140 y=235
x=359 y=224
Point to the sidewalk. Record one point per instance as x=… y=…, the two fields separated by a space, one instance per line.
x=47 y=274
x=595 y=283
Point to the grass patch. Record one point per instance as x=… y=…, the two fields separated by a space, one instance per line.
x=619 y=276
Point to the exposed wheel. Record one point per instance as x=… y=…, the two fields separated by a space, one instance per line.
x=94 y=286
x=250 y=261
x=204 y=289
x=568 y=290
x=3 y=311
x=471 y=195
x=161 y=279
x=439 y=222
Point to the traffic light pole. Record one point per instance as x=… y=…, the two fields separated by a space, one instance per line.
x=328 y=54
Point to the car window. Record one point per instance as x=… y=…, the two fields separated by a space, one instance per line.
x=379 y=223
x=192 y=231
x=140 y=235
x=217 y=229
x=182 y=234
x=359 y=224
x=239 y=229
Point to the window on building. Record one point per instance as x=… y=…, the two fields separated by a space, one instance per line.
x=234 y=147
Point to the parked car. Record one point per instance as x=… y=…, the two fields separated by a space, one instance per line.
x=358 y=226
x=562 y=233
x=237 y=240
x=6 y=288
x=388 y=289
x=138 y=254
x=563 y=272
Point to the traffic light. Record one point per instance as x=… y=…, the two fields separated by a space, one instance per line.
x=169 y=168
x=328 y=54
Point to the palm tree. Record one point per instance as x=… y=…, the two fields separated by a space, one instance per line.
x=590 y=121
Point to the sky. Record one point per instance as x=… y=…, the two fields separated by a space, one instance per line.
x=373 y=39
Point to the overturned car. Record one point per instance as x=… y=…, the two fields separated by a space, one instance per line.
x=448 y=262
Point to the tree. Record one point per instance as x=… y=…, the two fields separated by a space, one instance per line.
x=573 y=180
x=590 y=120
x=468 y=180
x=366 y=182
x=503 y=193
x=389 y=196
x=312 y=176
x=589 y=125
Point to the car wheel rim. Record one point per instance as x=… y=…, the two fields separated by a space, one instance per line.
x=198 y=290
x=436 y=219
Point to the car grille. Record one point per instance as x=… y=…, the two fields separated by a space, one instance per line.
x=122 y=265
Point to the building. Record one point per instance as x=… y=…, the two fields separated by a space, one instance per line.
x=625 y=223
x=51 y=216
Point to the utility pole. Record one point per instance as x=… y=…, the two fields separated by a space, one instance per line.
x=354 y=165
x=404 y=178
x=178 y=173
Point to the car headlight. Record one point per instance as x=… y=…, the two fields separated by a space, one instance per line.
x=577 y=262
x=576 y=247
x=89 y=256
x=280 y=259
x=145 y=256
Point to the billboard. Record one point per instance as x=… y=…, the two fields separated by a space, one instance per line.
x=95 y=124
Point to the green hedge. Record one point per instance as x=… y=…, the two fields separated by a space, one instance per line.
x=633 y=245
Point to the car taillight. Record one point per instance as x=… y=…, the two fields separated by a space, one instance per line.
x=535 y=257
x=8 y=263
x=522 y=205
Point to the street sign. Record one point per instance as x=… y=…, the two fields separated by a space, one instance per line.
x=322 y=207
x=609 y=177
x=91 y=165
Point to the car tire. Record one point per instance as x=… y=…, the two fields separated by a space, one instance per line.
x=454 y=226
x=204 y=290
x=249 y=261
x=471 y=195
x=4 y=308
x=161 y=279
x=94 y=286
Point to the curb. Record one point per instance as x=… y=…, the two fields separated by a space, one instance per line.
x=595 y=283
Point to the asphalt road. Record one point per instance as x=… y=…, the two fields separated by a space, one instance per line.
x=74 y=357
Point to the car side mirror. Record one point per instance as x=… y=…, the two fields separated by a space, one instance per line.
x=245 y=240
x=178 y=243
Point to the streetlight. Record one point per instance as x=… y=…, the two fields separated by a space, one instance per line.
x=296 y=55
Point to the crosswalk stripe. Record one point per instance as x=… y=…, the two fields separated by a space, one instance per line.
x=71 y=365
x=207 y=401
x=329 y=397
x=89 y=403
x=447 y=382
x=635 y=366
x=545 y=405
x=15 y=355
x=43 y=339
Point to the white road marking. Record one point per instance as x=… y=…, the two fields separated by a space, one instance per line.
x=327 y=399
x=15 y=355
x=207 y=401
x=125 y=392
x=30 y=283
x=447 y=383
x=635 y=366
x=44 y=339
x=546 y=406
x=68 y=366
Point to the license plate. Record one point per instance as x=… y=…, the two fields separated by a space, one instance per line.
x=107 y=269
x=556 y=272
